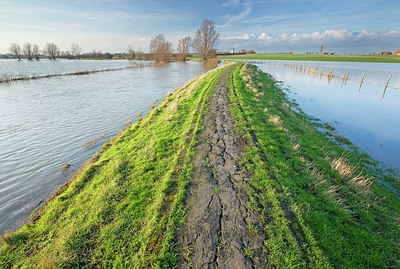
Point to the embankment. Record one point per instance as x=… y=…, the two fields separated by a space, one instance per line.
x=224 y=173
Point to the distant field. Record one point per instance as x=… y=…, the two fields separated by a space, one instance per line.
x=305 y=57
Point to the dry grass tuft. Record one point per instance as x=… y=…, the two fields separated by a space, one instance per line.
x=358 y=181
x=275 y=120
x=65 y=167
x=138 y=115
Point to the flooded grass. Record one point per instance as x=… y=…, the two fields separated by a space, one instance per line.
x=9 y=78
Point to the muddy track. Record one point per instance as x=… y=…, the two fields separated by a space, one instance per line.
x=216 y=233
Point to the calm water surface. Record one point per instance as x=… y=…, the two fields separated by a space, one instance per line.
x=368 y=121
x=24 y=68
x=47 y=122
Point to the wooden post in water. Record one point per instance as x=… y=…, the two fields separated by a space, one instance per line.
x=347 y=78
x=361 y=82
x=344 y=77
x=387 y=83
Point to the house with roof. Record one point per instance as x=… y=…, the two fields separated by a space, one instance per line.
x=397 y=53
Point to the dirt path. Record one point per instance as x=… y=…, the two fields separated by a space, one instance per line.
x=216 y=233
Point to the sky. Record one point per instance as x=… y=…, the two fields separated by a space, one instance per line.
x=343 y=27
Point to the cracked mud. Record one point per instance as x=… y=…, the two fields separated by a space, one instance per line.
x=216 y=233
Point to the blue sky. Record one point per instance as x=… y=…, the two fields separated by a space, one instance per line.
x=265 y=26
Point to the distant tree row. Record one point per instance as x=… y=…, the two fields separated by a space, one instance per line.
x=161 y=50
x=51 y=50
x=204 y=44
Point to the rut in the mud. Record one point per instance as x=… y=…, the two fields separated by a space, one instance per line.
x=216 y=233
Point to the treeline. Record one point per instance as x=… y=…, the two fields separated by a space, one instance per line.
x=161 y=50
x=51 y=50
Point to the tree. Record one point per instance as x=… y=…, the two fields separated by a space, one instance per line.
x=130 y=52
x=140 y=54
x=36 y=51
x=15 y=49
x=51 y=50
x=205 y=40
x=28 y=51
x=183 y=48
x=76 y=50
x=160 y=49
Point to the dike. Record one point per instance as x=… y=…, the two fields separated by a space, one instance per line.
x=224 y=173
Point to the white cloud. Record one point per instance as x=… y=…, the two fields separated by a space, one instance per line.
x=331 y=36
x=229 y=19
x=230 y=3
x=241 y=37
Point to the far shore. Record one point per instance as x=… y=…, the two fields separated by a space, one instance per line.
x=317 y=57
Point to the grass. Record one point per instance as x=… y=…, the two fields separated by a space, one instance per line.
x=306 y=57
x=320 y=205
x=124 y=207
x=319 y=199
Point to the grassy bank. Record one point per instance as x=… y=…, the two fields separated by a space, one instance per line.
x=123 y=208
x=305 y=57
x=319 y=204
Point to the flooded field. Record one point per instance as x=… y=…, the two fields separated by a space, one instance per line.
x=16 y=69
x=358 y=113
x=49 y=122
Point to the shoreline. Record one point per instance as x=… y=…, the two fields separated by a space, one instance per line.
x=306 y=57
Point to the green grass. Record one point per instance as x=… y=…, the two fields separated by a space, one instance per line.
x=306 y=57
x=123 y=209
x=314 y=207
x=318 y=198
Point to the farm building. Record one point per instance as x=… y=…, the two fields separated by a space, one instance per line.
x=385 y=53
x=397 y=53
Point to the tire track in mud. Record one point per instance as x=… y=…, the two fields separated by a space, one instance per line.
x=216 y=233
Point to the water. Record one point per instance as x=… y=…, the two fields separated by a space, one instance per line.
x=370 y=122
x=15 y=68
x=47 y=122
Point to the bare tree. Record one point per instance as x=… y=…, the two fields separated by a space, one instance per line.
x=160 y=49
x=183 y=48
x=36 y=51
x=28 y=51
x=140 y=54
x=206 y=39
x=51 y=50
x=15 y=49
x=76 y=50
x=130 y=52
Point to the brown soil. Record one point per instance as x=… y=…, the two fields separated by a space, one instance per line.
x=216 y=233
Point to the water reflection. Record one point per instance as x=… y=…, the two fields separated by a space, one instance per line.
x=369 y=121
